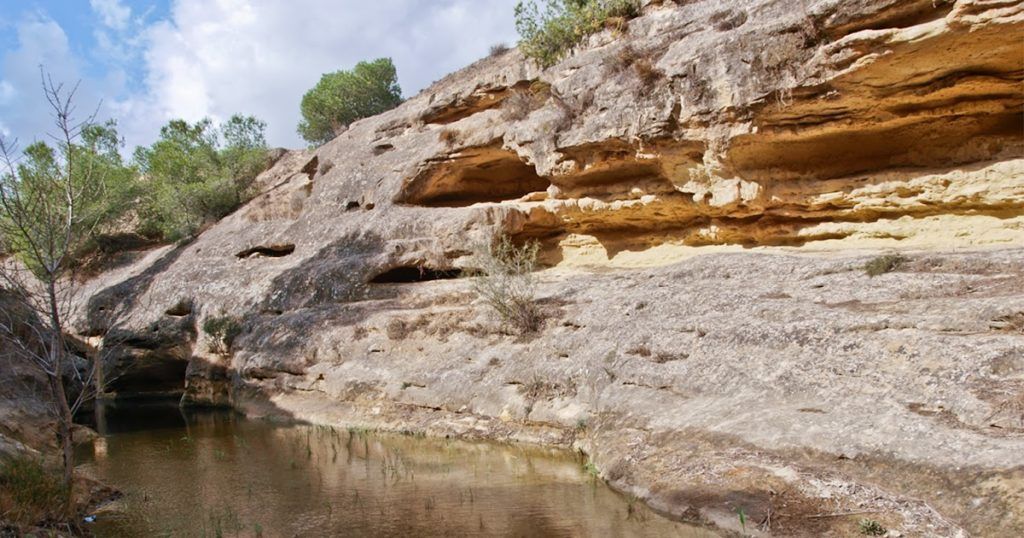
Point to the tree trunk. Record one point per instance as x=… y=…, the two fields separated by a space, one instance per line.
x=60 y=397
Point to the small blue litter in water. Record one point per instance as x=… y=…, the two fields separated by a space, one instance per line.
x=90 y=519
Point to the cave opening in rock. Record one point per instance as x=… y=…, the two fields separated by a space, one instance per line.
x=152 y=376
x=410 y=274
x=268 y=251
x=475 y=175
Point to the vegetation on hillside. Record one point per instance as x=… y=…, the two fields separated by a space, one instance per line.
x=550 y=29
x=31 y=493
x=102 y=185
x=343 y=97
x=196 y=174
x=193 y=175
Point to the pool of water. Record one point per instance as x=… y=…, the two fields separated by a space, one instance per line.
x=211 y=473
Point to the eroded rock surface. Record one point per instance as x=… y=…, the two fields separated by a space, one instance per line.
x=706 y=183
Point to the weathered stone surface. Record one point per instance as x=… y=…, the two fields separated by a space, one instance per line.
x=706 y=185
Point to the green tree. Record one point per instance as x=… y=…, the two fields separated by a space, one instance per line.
x=118 y=181
x=198 y=173
x=343 y=97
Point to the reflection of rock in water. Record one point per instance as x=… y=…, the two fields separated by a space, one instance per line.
x=216 y=469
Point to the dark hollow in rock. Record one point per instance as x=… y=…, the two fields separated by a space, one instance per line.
x=150 y=375
x=269 y=251
x=410 y=274
x=180 y=309
x=473 y=175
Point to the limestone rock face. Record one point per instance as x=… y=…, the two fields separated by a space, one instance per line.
x=787 y=140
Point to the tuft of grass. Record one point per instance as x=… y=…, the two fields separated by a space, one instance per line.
x=626 y=57
x=648 y=74
x=591 y=469
x=449 y=137
x=397 y=329
x=641 y=350
x=870 y=527
x=884 y=264
x=498 y=49
x=32 y=494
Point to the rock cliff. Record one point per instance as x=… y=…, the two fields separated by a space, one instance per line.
x=706 y=181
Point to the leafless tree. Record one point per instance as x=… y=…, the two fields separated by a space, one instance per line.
x=44 y=224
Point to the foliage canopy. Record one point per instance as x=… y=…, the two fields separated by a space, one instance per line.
x=343 y=97
x=197 y=173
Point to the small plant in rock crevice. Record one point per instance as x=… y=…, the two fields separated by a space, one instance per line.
x=521 y=102
x=449 y=137
x=870 y=527
x=884 y=264
x=506 y=282
x=223 y=330
x=648 y=74
x=498 y=49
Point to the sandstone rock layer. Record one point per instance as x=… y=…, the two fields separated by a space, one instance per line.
x=707 y=182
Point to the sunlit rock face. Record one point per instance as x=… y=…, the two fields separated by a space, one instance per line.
x=706 y=184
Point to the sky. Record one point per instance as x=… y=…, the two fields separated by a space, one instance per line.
x=145 y=63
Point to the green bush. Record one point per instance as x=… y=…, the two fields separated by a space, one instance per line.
x=343 y=97
x=197 y=174
x=548 y=34
x=31 y=493
x=870 y=527
x=223 y=330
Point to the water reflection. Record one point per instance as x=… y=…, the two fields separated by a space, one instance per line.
x=218 y=474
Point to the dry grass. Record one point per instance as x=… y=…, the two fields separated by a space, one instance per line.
x=626 y=57
x=31 y=494
x=640 y=350
x=506 y=283
x=398 y=329
x=663 y=357
x=450 y=137
x=498 y=49
x=1011 y=323
x=648 y=75
x=884 y=264
x=521 y=103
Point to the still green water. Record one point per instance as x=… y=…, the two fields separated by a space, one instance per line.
x=219 y=474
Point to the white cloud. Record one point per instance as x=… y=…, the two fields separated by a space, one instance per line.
x=4 y=131
x=7 y=92
x=40 y=42
x=220 y=57
x=112 y=12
